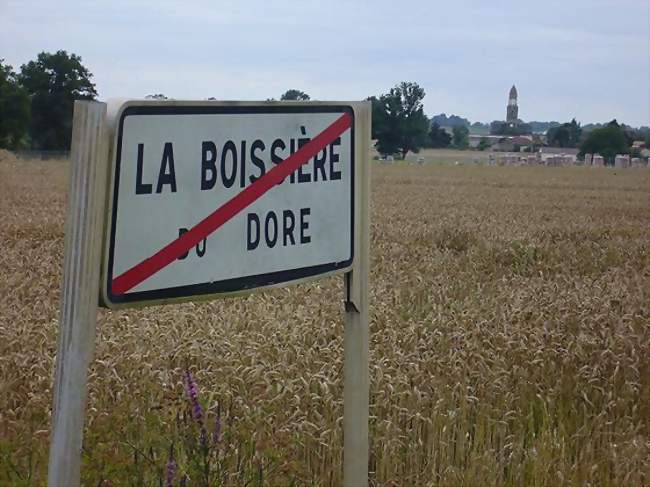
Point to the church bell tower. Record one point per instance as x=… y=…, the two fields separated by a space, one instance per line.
x=512 y=113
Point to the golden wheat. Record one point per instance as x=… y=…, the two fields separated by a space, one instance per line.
x=510 y=343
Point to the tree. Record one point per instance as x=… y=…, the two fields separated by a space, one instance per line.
x=14 y=109
x=483 y=144
x=438 y=137
x=449 y=121
x=294 y=95
x=460 y=136
x=606 y=141
x=566 y=135
x=398 y=120
x=54 y=82
x=479 y=128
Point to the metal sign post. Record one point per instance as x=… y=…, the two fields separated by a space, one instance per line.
x=356 y=367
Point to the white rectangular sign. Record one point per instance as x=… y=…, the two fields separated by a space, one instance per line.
x=223 y=198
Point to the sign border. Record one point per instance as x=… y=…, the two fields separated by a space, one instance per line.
x=226 y=287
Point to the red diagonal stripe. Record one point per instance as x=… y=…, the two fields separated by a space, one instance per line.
x=170 y=252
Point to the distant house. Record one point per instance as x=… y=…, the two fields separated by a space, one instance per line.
x=475 y=140
x=506 y=143
x=514 y=143
x=546 y=153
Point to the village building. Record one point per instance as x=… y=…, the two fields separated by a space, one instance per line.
x=554 y=153
x=517 y=143
x=490 y=140
x=638 y=145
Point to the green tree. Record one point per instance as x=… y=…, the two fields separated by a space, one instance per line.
x=54 y=82
x=606 y=141
x=566 y=135
x=14 y=109
x=398 y=120
x=460 y=136
x=295 y=95
x=438 y=137
x=483 y=144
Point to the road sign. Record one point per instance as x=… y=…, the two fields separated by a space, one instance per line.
x=210 y=198
x=227 y=198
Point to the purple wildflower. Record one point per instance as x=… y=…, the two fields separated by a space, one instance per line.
x=197 y=410
x=193 y=396
x=171 y=469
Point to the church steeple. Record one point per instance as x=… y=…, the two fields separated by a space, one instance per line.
x=512 y=112
x=513 y=93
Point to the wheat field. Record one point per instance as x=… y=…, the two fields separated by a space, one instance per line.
x=510 y=344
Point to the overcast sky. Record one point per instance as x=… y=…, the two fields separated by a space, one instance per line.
x=588 y=59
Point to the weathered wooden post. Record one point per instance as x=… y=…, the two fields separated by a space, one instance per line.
x=80 y=290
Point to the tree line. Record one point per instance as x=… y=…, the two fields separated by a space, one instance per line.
x=36 y=103
x=36 y=107
x=607 y=140
x=400 y=125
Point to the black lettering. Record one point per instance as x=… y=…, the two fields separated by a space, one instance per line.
x=140 y=188
x=277 y=144
x=242 y=166
x=208 y=165
x=303 y=178
x=270 y=241
x=288 y=224
x=229 y=147
x=253 y=219
x=200 y=251
x=259 y=163
x=181 y=232
x=275 y=159
x=167 y=175
x=292 y=150
x=334 y=158
x=319 y=164
x=304 y=225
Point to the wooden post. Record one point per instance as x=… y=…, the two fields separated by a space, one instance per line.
x=356 y=386
x=80 y=290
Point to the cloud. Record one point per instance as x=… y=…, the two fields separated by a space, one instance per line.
x=583 y=58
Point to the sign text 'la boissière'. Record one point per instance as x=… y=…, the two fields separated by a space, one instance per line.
x=222 y=199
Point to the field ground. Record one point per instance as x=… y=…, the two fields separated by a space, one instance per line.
x=510 y=344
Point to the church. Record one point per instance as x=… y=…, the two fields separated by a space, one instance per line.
x=513 y=125
x=512 y=112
